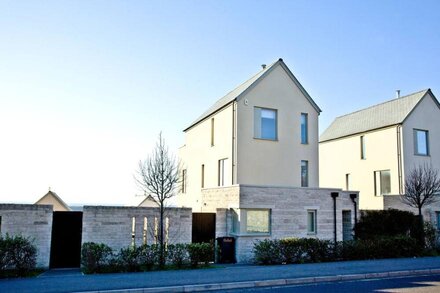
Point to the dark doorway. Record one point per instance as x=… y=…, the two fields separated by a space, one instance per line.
x=65 y=249
x=203 y=227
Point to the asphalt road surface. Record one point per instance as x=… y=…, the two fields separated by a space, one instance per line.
x=419 y=284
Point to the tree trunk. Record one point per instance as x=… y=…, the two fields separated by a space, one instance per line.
x=421 y=232
x=162 y=246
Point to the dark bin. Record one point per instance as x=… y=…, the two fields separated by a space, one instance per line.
x=226 y=250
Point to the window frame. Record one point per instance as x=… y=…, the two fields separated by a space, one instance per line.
x=378 y=187
x=239 y=225
x=307 y=173
x=258 y=126
x=305 y=130
x=416 y=142
x=347 y=181
x=314 y=226
x=212 y=132
x=221 y=172
x=184 y=181
x=363 y=148
x=202 y=183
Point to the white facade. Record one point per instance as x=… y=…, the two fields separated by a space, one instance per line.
x=390 y=152
x=255 y=137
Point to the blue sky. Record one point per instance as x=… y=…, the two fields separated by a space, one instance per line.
x=86 y=86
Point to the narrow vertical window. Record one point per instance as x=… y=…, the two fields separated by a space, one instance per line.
x=144 y=232
x=156 y=226
x=304 y=128
x=221 y=172
x=133 y=231
x=203 y=177
x=421 y=146
x=347 y=181
x=363 y=154
x=265 y=123
x=311 y=221
x=183 y=181
x=212 y=131
x=304 y=173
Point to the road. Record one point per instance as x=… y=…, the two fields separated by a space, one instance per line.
x=419 y=284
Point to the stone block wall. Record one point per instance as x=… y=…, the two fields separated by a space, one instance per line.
x=33 y=221
x=429 y=212
x=220 y=197
x=288 y=214
x=113 y=225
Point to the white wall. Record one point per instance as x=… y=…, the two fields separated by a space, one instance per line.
x=266 y=162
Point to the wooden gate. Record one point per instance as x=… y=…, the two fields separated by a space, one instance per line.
x=65 y=251
x=203 y=227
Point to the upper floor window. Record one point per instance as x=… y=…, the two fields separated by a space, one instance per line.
x=212 y=131
x=183 y=181
x=304 y=128
x=347 y=181
x=421 y=146
x=221 y=172
x=203 y=177
x=304 y=173
x=382 y=182
x=363 y=154
x=265 y=123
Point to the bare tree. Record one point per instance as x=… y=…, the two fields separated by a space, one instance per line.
x=158 y=175
x=422 y=187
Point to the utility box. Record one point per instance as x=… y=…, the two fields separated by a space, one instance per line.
x=226 y=250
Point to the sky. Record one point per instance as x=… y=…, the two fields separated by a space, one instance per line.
x=87 y=86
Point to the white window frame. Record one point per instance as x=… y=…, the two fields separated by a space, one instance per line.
x=378 y=182
x=221 y=172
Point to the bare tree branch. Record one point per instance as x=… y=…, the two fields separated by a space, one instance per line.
x=422 y=187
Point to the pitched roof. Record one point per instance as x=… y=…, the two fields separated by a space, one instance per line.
x=55 y=196
x=247 y=85
x=382 y=115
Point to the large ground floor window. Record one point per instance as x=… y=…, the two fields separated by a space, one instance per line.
x=251 y=221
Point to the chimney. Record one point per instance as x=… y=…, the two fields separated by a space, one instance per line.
x=263 y=66
x=397 y=94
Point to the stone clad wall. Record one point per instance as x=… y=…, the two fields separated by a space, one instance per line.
x=33 y=221
x=113 y=225
x=288 y=214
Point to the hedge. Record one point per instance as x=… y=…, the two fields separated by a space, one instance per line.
x=310 y=250
x=99 y=258
x=18 y=256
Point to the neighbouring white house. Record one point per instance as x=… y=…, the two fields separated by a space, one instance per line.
x=371 y=150
x=252 y=158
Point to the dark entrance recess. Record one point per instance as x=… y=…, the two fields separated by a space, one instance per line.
x=65 y=249
x=203 y=227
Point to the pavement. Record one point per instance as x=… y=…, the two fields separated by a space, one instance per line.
x=222 y=277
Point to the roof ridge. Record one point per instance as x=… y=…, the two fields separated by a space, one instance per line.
x=382 y=103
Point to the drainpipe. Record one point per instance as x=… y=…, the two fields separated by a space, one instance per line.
x=334 y=196
x=353 y=197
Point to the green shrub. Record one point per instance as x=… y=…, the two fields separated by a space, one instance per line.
x=267 y=252
x=128 y=259
x=291 y=250
x=177 y=254
x=148 y=256
x=385 y=223
x=96 y=257
x=430 y=236
x=18 y=254
x=200 y=253
x=386 y=247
